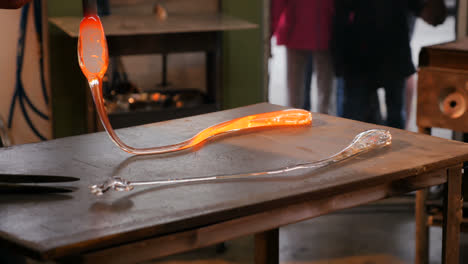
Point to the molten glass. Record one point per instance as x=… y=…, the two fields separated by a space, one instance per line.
x=92 y=48
x=364 y=142
x=94 y=59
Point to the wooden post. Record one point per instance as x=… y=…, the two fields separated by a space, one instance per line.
x=422 y=230
x=453 y=205
x=462 y=15
x=267 y=247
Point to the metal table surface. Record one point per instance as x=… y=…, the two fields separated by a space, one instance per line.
x=182 y=217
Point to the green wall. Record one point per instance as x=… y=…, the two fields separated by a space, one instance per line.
x=243 y=68
x=68 y=86
x=64 y=8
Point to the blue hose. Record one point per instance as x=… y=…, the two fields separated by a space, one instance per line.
x=38 y=26
x=20 y=93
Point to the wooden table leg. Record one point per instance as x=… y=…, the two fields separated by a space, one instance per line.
x=453 y=205
x=422 y=230
x=267 y=247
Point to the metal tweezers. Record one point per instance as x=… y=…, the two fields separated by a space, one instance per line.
x=26 y=184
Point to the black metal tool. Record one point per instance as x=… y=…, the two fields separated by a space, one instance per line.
x=27 y=184
x=89 y=7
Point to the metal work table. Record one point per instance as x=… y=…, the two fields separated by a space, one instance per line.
x=153 y=222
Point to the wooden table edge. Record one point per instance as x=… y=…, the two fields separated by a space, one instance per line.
x=203 y=236
x=245 y=25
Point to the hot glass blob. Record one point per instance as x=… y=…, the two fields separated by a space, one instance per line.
x=94 y=59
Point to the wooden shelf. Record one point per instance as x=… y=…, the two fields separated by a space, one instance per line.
x=118 y=25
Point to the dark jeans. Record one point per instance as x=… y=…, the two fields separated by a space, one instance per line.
x=300 y=65
x=309 y=70
x=360 y=101
x=339 y=96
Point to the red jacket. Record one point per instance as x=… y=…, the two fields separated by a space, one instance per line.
x=302 y=24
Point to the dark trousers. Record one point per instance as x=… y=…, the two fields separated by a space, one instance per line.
x=300 y=65
x=360 y=101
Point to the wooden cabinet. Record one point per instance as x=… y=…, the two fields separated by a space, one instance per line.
x=442 y=103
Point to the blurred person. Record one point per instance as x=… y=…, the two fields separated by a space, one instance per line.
x=13 y=4
x=436 y=13
x=304 y=27
x=371 y=47
x=374 y=114
x=410 y=86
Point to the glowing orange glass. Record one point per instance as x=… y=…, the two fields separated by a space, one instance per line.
x=362 y=143
x=92 y=48
x=94 y=59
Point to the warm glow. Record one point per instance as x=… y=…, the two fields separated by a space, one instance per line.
x=271 y=119
x=156 y=97
x=94 y=59
x=92 y=48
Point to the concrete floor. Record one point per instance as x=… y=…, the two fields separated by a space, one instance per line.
x=382 y=233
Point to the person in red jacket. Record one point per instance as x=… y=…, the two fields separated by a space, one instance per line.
x=12 y=4
x=304 y=27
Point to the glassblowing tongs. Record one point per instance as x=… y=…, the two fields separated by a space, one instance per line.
x=28 y=184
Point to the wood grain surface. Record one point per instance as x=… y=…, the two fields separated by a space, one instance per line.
x=120 y=25
x=172 y=6
x=52 y=226
x=450 y=55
